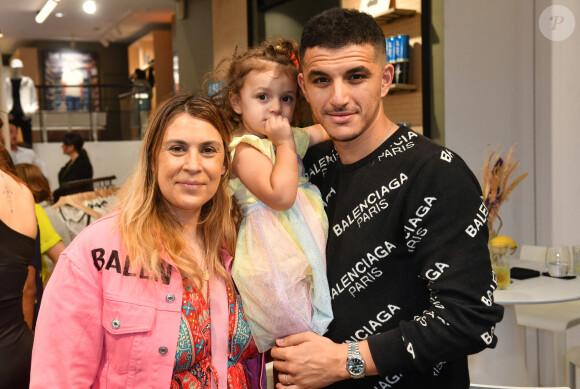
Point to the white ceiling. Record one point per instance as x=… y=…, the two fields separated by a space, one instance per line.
x=115 y=21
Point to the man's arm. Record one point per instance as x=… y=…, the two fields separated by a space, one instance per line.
x=309 y=360
x=449 y=242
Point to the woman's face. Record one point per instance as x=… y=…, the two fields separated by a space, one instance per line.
x=67 y=149
x=190 y=165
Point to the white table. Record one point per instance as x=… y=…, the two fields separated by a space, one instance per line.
x=506 y=364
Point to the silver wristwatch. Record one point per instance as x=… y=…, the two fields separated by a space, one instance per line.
x=355 y=363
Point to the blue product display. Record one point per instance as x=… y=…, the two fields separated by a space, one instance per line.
x=402 y=47
x=390 y=49
x=401 y=59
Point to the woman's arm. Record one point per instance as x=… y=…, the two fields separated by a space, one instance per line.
x=29 y=296
x=70 y=327
x=54 y=253
x=275 y=185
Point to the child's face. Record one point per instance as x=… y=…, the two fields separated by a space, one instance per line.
x=265 y=93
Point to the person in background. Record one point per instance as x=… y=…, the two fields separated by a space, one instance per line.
x=22 y=154
x=18 y=247
x=51 y=244
x=72 y=80
x=410 y=272
x=129 y=302
x=78 y=168
x=142 y=92
x=21 y=101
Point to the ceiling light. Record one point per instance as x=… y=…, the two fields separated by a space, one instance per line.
x=90 y=7
x=1 y=33
x=45 y=11
x=59 y=14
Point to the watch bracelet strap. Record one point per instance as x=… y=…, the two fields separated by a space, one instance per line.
x=353 y=351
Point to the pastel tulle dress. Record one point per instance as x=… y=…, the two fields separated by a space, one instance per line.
x=280 y=266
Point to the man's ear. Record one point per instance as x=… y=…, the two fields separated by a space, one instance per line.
x=301 y=83
x=388 y=73
x=235 y=103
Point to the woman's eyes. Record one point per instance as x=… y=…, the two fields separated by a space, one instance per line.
x=177 y=149
x=180 y=150
x=208 y=150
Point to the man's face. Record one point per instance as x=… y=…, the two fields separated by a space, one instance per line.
x=345 y=87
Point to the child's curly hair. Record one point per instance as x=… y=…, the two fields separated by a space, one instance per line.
x=281 y=52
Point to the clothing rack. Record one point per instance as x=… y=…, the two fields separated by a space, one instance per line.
x=101 y=182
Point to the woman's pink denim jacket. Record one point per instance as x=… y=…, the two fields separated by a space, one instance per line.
x=104 y=324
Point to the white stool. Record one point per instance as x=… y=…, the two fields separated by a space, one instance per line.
x=572 y=361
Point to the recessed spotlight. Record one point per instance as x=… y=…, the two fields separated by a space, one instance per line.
x=59 y=14
x=90 y=7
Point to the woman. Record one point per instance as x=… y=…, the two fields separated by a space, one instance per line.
x=17 y=285
x=78 y=168
x=128 y=304
x=51 y=243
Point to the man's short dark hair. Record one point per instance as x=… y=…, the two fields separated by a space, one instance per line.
x=340 y=27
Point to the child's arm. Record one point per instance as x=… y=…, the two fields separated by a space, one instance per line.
x=317 y=134
x=275 y=185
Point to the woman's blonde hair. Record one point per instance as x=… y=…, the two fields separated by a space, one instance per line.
x=149 y=231
x=35 y=181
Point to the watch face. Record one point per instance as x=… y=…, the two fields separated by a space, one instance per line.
x=356 y=366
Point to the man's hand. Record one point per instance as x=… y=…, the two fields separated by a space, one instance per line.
x=308 y=360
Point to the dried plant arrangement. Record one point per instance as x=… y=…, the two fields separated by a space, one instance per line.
x=496 y=185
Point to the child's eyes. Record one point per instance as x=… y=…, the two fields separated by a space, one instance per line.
x=262 y=96
x=287 y=99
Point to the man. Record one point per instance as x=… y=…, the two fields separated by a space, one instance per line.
x=21 y=154
x=407 y=257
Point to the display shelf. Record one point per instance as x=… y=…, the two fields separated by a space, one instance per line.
x=395 y=88
x=393 y=14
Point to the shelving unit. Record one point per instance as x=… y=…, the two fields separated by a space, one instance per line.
x=394 y=14
x=404 y=103
x=397 y=88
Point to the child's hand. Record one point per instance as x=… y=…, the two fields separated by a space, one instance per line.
x=278 y=130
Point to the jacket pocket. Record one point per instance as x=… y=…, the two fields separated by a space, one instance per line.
x=126 y=327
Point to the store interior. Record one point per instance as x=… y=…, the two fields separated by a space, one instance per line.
x=483 y=76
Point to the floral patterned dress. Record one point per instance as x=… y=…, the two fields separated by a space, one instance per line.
x=193 y=367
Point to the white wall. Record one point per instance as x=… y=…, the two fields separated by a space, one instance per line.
x=489 y=94
x=107 y=158
x=558 y=131
x=505 y=82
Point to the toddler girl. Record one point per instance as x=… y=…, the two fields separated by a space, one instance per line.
x=279 y=267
